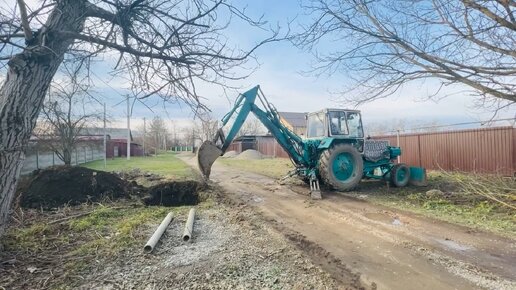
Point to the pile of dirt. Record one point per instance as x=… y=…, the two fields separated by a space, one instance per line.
x=174 y=193
x=230 y=154
x=57 y=186
x=249 y=154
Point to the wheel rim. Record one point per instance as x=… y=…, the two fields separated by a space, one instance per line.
x=343 y=166
x=401 y=175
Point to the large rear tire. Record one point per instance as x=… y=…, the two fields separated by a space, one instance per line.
x=341 y=167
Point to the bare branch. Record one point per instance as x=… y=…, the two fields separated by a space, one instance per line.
x=383 y=44
x=24 y=20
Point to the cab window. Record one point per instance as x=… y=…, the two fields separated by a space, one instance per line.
x=338 y=123
x=354 y=125
x=316 y=125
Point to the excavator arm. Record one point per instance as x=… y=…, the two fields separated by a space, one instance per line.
x=209 y=151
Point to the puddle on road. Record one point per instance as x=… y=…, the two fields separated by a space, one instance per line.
x=257 y=199
x=453 y=245
x=384 y=218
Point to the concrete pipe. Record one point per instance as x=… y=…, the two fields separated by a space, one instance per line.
x=157 y=234
x=187 y=234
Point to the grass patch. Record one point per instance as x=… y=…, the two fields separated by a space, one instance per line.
x=70 y=247
x=166 y=164
x=272 y=167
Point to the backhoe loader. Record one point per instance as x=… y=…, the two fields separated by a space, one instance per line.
x=334 y=151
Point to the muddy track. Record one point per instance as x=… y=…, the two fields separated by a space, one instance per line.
x=374 y=247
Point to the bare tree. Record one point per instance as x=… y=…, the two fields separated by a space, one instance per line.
x=65 y=114
x=205 y=127
x=381 y=45
x=165 y=47
x=157 y=133
x=252 y=126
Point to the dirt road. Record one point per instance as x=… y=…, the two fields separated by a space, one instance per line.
x=375 y=247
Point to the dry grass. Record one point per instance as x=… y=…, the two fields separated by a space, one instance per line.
x=54 y=248
x=495 y=188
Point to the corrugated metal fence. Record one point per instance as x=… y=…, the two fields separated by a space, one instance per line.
x=486 y=150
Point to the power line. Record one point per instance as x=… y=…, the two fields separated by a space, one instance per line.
x=448 y=125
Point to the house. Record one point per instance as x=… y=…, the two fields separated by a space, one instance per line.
x=116 y=141
x=294 y=121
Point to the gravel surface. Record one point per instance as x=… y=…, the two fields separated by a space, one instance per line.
x=231 y=248
x=249 y=154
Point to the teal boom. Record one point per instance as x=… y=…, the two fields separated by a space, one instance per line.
x=269 y=117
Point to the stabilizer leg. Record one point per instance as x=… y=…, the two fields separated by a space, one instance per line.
x=315 y=190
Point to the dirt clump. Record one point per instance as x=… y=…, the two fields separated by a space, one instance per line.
x=249 y=154
x=174 y=193
x=61 y=185
x=135 y=174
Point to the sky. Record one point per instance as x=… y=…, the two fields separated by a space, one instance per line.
x=282 y=76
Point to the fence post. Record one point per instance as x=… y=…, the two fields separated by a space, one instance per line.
x=37 y=158
x=53 y=159
x=419 y=149
x=398 y=141
x=76 y=157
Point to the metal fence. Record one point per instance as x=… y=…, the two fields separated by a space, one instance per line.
x=485 y=150
x=39 y=159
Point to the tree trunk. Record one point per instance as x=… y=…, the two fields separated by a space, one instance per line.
x=67 y=156
x=21 y=96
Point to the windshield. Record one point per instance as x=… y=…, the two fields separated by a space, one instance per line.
x=316 y=125
x=355 y=125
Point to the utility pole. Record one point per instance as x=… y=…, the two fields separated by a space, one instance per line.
x=105 y=143
x=128 y=129
x=144 y=131
x=193 y=138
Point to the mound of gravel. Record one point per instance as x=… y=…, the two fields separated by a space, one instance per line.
x=249 y=154
x=230 y=154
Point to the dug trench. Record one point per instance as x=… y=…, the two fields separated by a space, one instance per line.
x=69 y=186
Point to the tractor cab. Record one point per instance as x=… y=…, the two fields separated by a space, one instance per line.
x=336 y=123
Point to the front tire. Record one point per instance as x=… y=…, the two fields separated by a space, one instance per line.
x=400 y=175
x=341 y=167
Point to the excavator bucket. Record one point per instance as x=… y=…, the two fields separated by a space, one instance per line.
x=206 y=155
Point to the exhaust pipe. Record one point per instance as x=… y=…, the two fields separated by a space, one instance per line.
x=187 y=234
x=149 y=247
